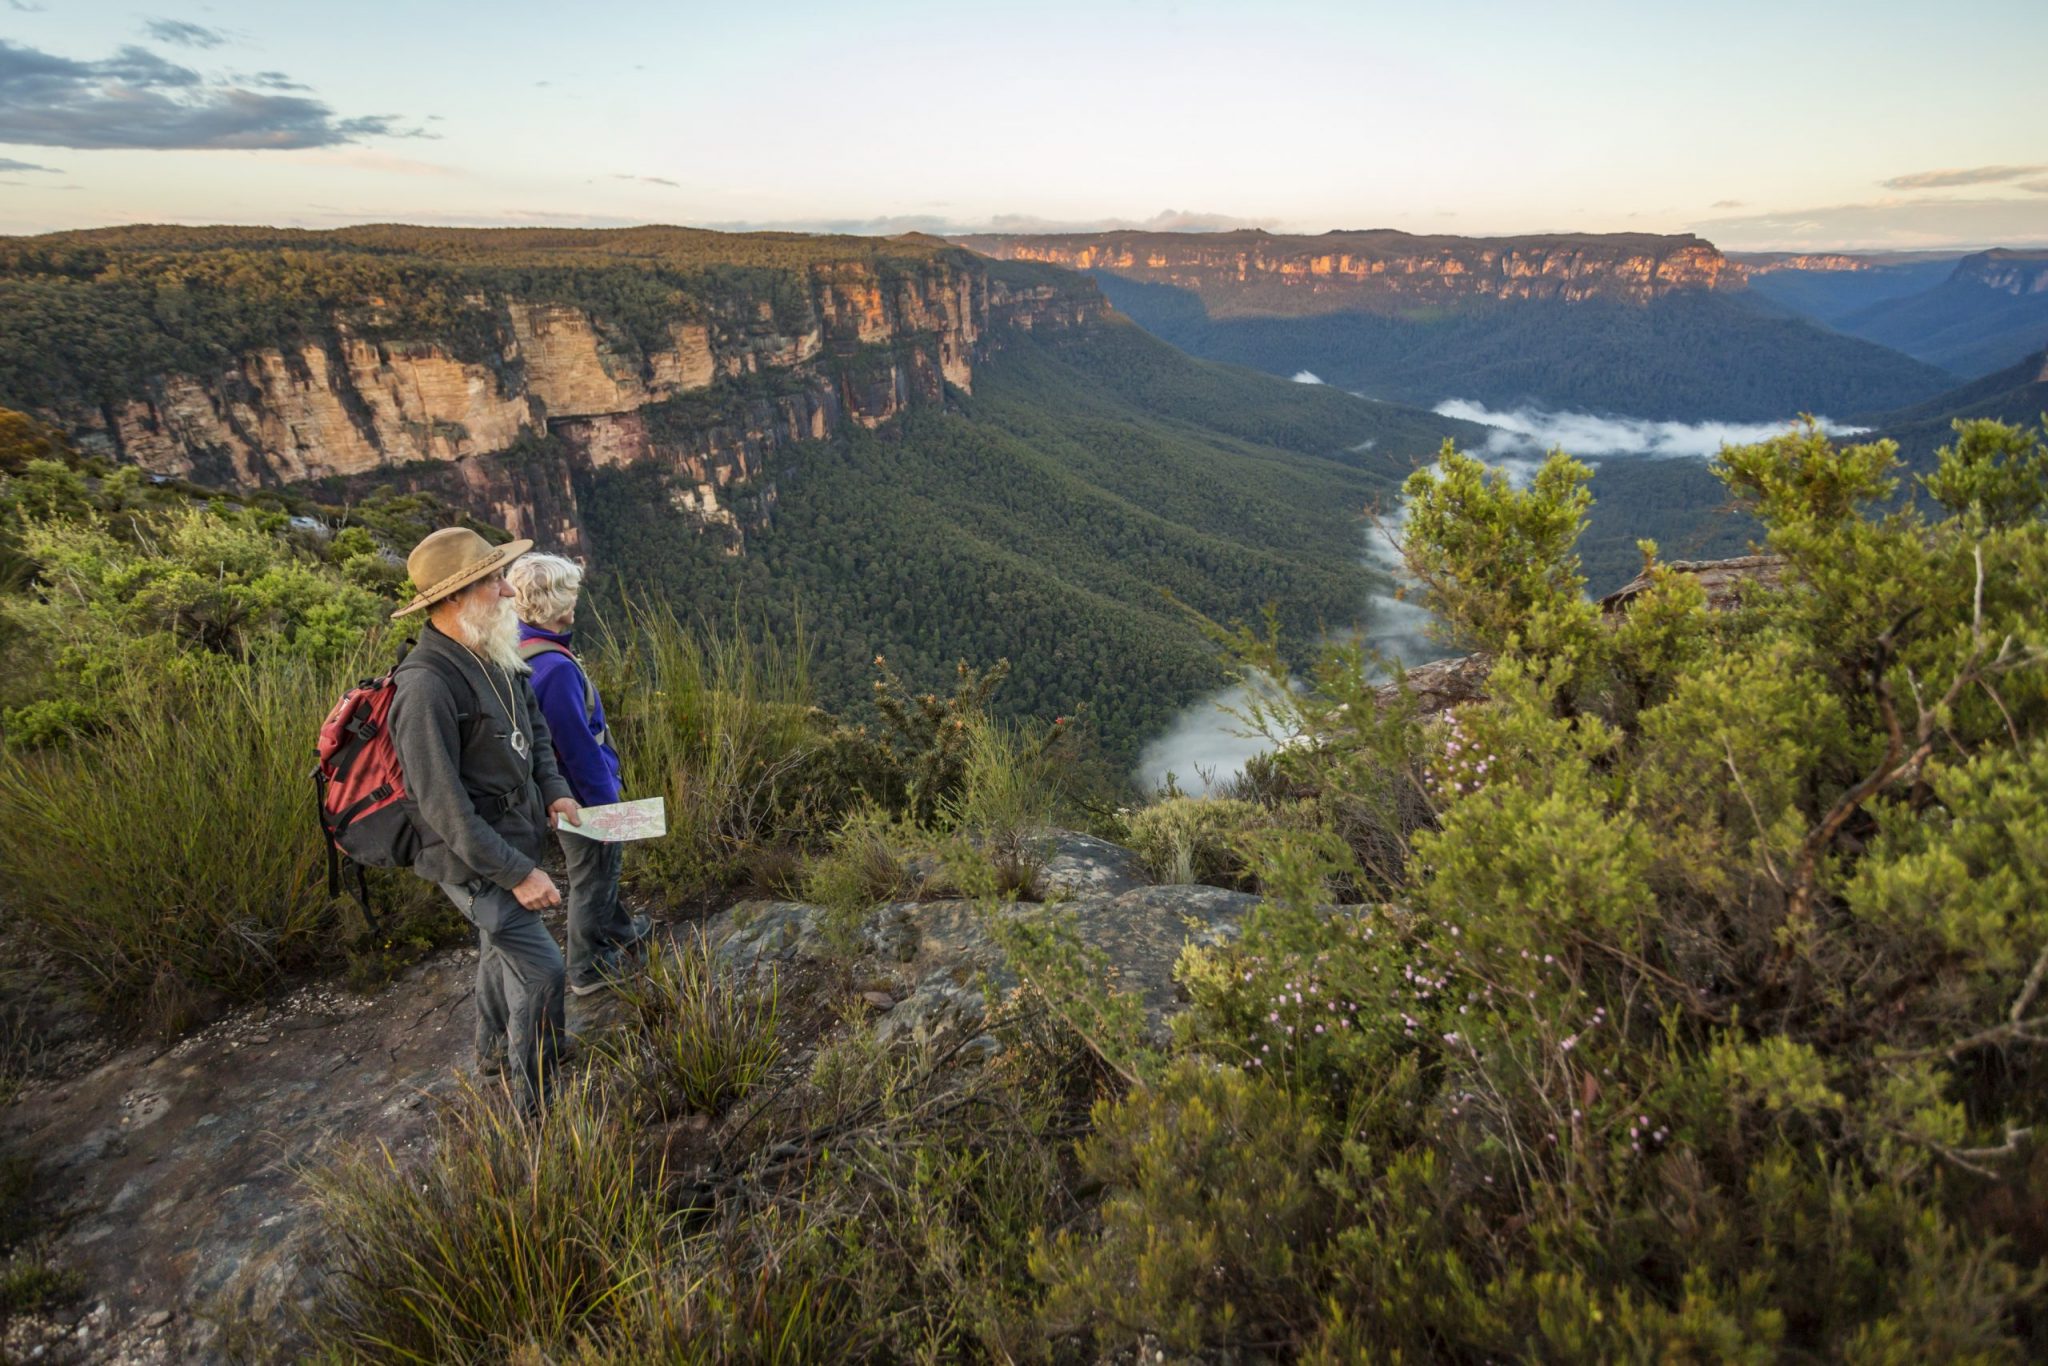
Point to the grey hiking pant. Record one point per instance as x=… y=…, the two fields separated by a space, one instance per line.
x=519 y=979
x=599 y=924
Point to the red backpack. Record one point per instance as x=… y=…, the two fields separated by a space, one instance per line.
x=364 y=815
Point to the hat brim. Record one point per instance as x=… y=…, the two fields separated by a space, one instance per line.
x=448 y=587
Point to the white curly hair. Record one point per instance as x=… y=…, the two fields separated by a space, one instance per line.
x=544 y=587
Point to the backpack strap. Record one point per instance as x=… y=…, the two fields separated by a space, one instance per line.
x=373 y=923
x=536 y=646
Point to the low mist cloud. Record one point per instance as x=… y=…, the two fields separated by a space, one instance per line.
x=1530 y=431
x=1307 y=377
x=1206 y=747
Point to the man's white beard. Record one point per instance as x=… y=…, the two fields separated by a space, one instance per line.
x=490 y=626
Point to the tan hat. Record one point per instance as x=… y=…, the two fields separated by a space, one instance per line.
x=450 y=560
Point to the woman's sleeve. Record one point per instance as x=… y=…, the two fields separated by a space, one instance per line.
x=581 y=758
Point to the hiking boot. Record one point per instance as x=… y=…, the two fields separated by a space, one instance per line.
x=491 y=1064
x=604 y=975
x=636 y=938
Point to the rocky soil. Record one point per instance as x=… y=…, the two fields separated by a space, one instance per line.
x=168 y=1174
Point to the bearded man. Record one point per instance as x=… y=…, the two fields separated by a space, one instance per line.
x=481 y=778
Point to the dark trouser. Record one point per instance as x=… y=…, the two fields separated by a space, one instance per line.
x=518 y=986
x=599 y=925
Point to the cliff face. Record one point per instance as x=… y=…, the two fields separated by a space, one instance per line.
x=1253 y=272
x=2008 y=272
x=1770 y=263
x=706 y=396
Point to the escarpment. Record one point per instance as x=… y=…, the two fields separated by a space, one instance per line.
x=1255 y=272
x=523 y=382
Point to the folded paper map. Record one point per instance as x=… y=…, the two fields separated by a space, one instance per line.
x=641 y=820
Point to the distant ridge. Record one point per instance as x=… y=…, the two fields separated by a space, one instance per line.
x=1650 y=325
x=1251 y=272
x=1988 y=313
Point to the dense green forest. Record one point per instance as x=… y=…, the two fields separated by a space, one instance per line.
x=1092 y=482
x=2018 y=394
x=1684 y=357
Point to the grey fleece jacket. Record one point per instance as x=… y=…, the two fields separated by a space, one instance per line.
x=452 y=764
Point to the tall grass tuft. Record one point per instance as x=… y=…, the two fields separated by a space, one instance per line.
x=706 y=1038
x=175 y=857
x=513 y=1236
x=863 y=868
x=720 y=726
x=1009 y=793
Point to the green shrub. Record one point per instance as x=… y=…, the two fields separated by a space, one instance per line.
x=705 y=1039
x=926 y=738
x=174 y=857
x=1702 y=1017
x=864 y=866
x=722 y=729
x=1207 y=1239
x=1197 y=839
x=510 y=1236
x=1009 y=793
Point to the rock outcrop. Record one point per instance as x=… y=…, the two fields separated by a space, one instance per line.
x=1255 y=272
x=931 y=961
x=744 y=368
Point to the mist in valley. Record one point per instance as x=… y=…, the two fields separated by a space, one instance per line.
x=1206 y=746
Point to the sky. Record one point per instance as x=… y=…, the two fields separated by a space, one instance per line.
x=1788 y=124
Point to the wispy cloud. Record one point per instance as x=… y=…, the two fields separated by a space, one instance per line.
x=182 y=34
x=136 y=99
x=650 y=180
x=1885 y=225
x=24 y=7
x=1975 y=175
x=1728 y=204
x=9 y=164
x=2035 y=186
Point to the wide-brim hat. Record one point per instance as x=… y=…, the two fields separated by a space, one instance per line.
x=450 y=560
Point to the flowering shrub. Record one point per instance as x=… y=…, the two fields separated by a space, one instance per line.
x=1700 y=1012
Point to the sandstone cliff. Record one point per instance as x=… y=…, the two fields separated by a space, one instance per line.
x=1255 y=272
x=750 y=363
x=2007 y=271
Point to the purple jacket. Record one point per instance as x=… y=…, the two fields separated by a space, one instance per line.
x=590 y=764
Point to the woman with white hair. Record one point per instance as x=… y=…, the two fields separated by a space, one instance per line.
x=544 y=589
